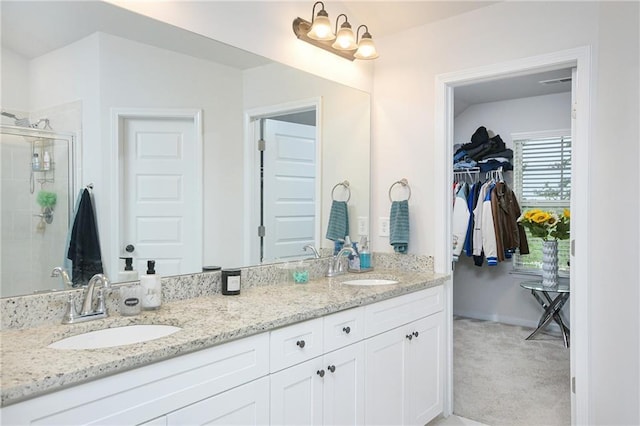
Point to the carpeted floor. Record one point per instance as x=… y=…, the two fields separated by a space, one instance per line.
x=502 y=379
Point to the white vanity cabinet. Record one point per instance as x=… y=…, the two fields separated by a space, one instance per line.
x=148 y=393
x=404 y=366
x=376 y=364
x=328 y=388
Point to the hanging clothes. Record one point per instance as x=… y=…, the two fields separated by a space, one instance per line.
x=84 y=245
x=460 y=220
x=510 y=234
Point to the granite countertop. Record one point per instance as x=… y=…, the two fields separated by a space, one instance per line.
x=30 y=368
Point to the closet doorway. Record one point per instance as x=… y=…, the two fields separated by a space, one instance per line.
x=527 y=156
x=576 y=58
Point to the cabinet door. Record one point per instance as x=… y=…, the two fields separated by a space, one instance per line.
x=384 y=378
x=424 y=373
x=245 y=405
x=296 y=394
x=343 y=393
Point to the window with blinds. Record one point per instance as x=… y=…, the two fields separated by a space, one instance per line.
x=542 y=179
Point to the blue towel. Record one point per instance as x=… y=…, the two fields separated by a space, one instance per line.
x=399 y=226
x=338 y=227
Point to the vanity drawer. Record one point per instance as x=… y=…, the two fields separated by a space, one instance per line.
x=295 y=343
x=391 y=313
x=343 y=328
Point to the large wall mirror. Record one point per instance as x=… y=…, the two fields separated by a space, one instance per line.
x=106 y=76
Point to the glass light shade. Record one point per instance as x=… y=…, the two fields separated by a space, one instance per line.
x=345 y=39
x=366 y=49
x=321 y=28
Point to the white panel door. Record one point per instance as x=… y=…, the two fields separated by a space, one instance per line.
x=343 y=393
x=296 y=394
x=384 y=378
x=160 y=202
x=289 y=200
x=424 y=373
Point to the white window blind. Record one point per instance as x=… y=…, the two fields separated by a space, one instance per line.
x=542 y=179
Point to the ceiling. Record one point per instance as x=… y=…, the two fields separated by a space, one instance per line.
x=384 y=18
x=61 y=23
x=523 y=86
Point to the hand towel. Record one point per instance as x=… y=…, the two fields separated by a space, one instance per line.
x=84 y=246
x=399 y=226
x=338 y=227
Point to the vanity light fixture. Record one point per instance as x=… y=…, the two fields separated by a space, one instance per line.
x=320 y=33
x=344 y=36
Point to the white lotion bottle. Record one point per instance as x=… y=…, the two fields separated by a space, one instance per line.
x=151 y=288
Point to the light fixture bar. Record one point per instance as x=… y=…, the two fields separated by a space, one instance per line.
x=301 y=28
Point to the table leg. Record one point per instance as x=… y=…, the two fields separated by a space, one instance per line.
x=551 y=312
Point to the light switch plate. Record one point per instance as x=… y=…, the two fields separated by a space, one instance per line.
x=383 y=227
x=363 y=225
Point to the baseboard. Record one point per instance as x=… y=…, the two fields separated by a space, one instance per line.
x=522 y=322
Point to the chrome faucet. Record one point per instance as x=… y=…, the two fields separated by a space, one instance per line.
x=88 y=312
x=313 y=249
x=336 y=267
x=61 y=272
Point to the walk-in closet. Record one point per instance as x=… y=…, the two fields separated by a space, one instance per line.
x=512 y=156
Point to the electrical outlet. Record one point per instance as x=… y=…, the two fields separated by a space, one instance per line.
x=383 y=227
x=363 y=225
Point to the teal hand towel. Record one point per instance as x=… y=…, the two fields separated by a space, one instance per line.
x=399 y=226
x=338 y=221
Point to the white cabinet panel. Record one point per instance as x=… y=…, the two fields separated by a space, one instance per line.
x=343 y=393
x=384 y=378
x=404 y=373
x=245 y=405
x=343 y=328
x=391 y=313
x=425 y=370
x=296 y=394
x=295 y=343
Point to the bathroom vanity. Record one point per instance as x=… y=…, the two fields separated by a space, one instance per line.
x=319 y=353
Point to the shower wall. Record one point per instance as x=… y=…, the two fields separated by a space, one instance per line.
x=29 y=251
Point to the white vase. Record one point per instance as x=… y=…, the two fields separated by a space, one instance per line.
x=550 y=263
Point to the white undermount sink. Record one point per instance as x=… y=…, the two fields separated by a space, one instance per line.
x=369 y=281
x=116 y=336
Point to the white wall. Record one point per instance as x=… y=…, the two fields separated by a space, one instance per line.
x=14 y=82
x=345 y=131
x=493 y=292
x=403 y=139
x=134 y=75
x=107 y=72
x=261 y=27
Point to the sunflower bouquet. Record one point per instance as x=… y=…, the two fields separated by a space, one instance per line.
x=547 y=225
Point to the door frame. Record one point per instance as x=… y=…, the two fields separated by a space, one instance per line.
x=581 y=59
x=118 y=115
x=251 y=175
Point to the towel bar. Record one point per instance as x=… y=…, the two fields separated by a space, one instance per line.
x=402 y=182
x=346 y=186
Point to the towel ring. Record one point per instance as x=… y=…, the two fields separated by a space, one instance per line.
x=402 y=182
x=346 y=186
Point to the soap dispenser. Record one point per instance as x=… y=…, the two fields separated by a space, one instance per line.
x=151 y=288
x=128 y=274
x=365 y=255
